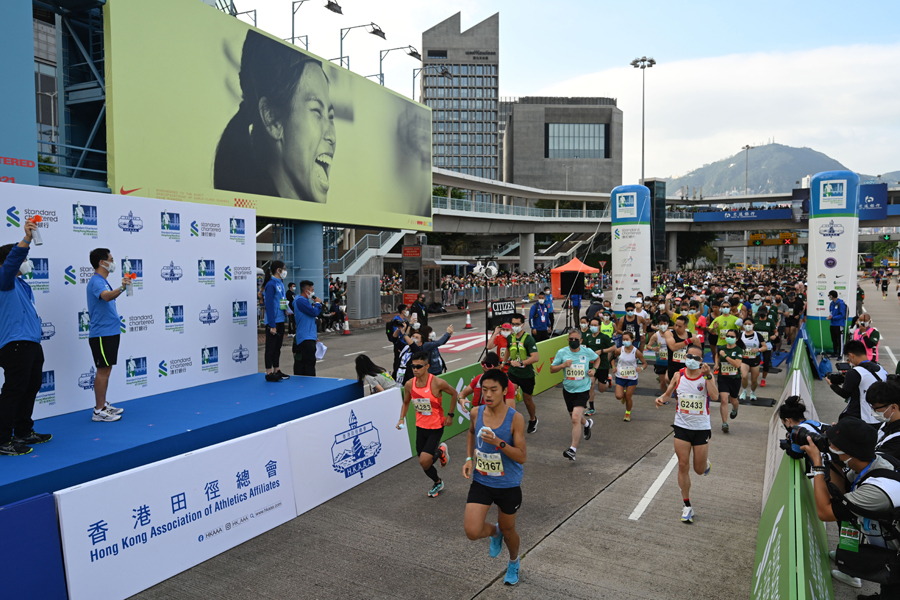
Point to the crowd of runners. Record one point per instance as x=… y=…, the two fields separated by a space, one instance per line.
x=708 y=336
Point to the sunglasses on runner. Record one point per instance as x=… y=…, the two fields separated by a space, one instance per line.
x=415 y=366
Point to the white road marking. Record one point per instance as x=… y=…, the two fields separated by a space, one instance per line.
x=891 y=354
x=453 y=361
x=386 y=347
x=648 y=497
x=352 y=353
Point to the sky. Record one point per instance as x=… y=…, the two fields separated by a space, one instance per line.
x=728 y=74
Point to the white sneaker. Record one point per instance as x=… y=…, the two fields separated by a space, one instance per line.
x=687 y=514
x=752 y=397
x=105 y=415
x=113 y=410
x=844 y=578
x=743 y=395
x=832 y=554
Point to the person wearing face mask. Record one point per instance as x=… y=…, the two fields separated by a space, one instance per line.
x=603 y=345
x=21 y=355
x=394 y=331
x=419 y=309
x=539 y=319
x=753 y=345
x=645 y=326
x=711 y=334
x=857 y=382
x=275 y=297
x=548 y=301
x=105 y=329
x=678 y=340
x=627 y=370
x=729 y=378
x=868 y=335
x=693 y=387
x=291 y=321
x=837 y=315
x=782 y=310
x=658 y=343
x=631 y=323
x=764 y=325
x=523 y=353
x=500 y=342
x=580 y=363
x=305 y=312
x=884 y=402
x=425 y=340
x=491 y=361
x=607 y=325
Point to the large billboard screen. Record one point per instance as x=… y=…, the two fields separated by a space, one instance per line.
x=205 y=108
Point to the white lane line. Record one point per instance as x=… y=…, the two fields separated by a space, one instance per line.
x=352 y=353
x=891 y=354
x=453 y=361
x=648 y=497
x=386 y=347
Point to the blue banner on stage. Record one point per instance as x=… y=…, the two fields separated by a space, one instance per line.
x=873 y=204
x=18 y=143
x=30 y=526
x=742 y=215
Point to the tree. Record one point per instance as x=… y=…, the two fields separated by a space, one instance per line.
x=690 y=246
x=709 y=253
x=439 y=190
x=883 y=250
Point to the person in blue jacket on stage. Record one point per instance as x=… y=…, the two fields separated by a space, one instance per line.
x=539 y=319
x=548 y=297
x=275 y=298
x=837 y=314
x=306 y=310
x=21 y=355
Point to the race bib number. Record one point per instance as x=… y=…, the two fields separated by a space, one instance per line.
x=663 y=354
x=575 y=372
x=679 y=355
x=728 y=369
x=691 y=404
x=283 y=304
x=423 y=406
x=488 y=463
x=748 y=353
x=627 y=372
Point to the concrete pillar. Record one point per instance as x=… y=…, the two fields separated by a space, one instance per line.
x=672 y=250
x=746 y=237
x=584 y=209
x=309 y=257
x=721 y=259
x=556 y=214
x=526 y=252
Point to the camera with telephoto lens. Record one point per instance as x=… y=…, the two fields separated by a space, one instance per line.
x=797 y=437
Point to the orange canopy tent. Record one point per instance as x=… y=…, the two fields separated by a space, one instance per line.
x=573 y=265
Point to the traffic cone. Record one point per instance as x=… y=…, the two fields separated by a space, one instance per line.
x=346 y=325
x=468 y=320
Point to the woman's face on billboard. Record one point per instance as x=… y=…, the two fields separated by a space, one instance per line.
x=309 y=140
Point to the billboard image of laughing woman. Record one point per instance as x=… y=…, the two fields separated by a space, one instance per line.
x=282 y=141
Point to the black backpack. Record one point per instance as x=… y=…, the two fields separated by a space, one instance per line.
x=389 y=328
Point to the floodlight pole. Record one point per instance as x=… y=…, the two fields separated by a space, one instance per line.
x=384 y=53
x=643 y=64
x=295 y=6
x=346 y=31
x=746 y=150
x=445 y=73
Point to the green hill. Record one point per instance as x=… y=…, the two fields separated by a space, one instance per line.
x=774 y=168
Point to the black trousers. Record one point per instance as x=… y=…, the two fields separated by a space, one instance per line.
x=305 y=358
x=273 y=346
x=22 y=363
x=837 y=339
x=291 y=324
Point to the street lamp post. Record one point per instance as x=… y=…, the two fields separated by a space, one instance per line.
x=409 y=51
x=345 y=31
x=746 y=150
x=295 y=6
x=439 y=69
x=643 y=63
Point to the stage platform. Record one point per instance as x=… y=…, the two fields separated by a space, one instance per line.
x=161 y=426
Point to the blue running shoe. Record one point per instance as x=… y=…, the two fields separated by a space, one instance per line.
x=496 y=545
x=512 y=573
x=438 y=487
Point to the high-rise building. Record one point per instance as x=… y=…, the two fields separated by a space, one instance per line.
x=553 y=143
x=460 y=83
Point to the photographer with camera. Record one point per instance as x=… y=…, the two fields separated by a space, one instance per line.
x=884 y=400
x=793 y=416
x=853 y=386
x=866 y=495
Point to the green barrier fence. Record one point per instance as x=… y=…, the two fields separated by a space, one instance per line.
x=459 y=378
x=791 y=543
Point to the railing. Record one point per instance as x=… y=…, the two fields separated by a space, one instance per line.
x=44 y=158
x=502 y=250
x=390 y=302
x=372 y=240
x=442 y=202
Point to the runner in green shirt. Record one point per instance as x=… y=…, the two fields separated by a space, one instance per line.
x=523 y=353
x=725 y=321
x=764 y=323
x=603 y=345
x=729 y=356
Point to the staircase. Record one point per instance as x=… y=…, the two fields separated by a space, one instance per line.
x=564 y=251
x=373 y=245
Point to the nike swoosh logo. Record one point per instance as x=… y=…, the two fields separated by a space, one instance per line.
x=125 y=192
